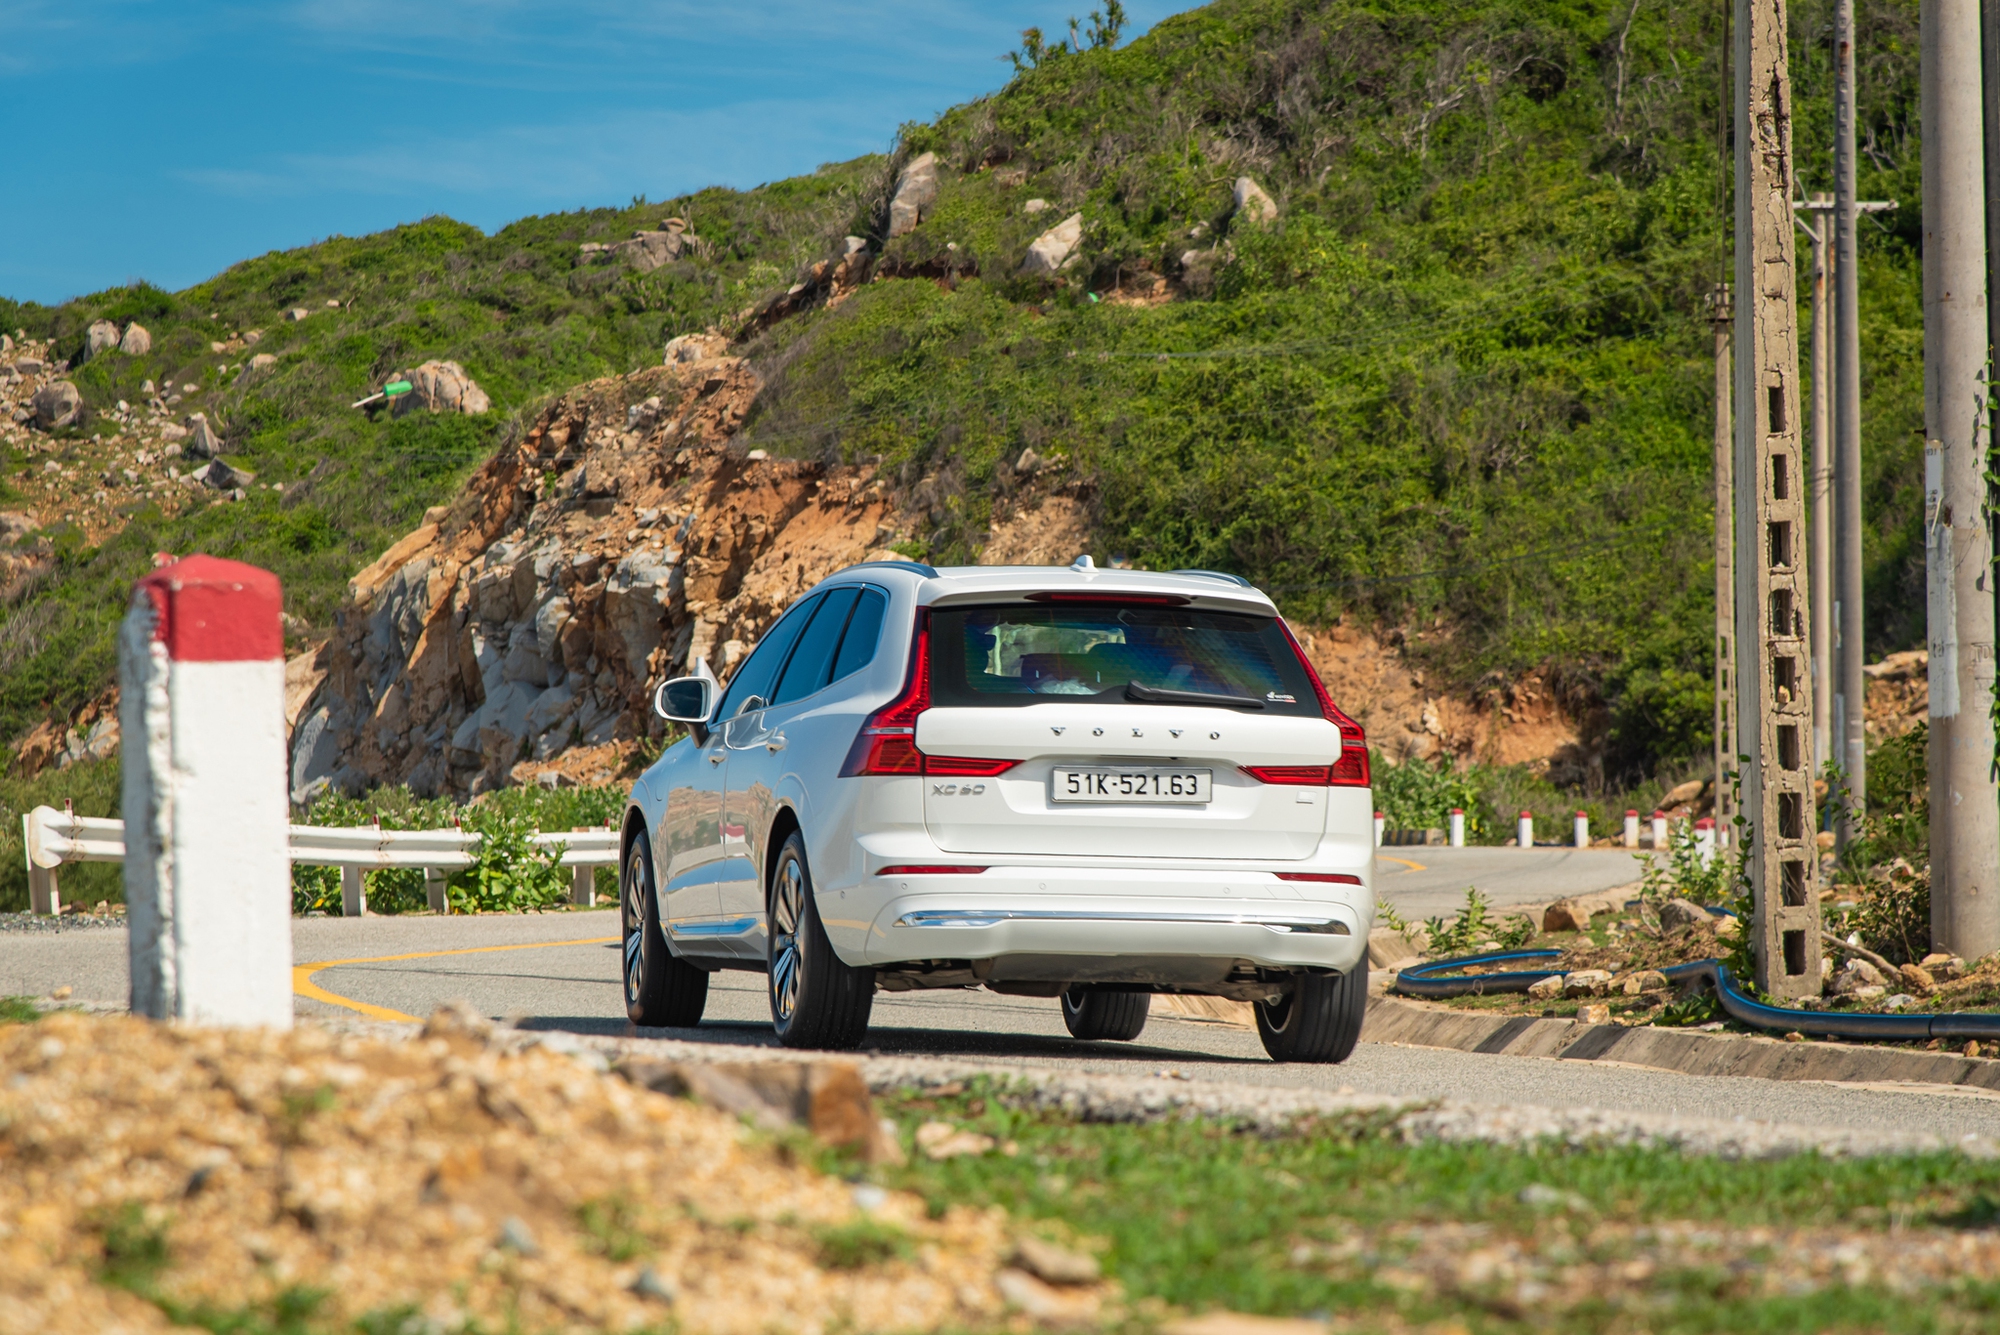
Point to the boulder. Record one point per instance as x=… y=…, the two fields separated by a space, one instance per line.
x=647 y=251
x=916 y=190
x=261 y=360
x=439 y=387
x=1546 y=989
x=137 y=342
x=1587 y=983
x=102 y=336
x=1252 y=204
x=27 y=366
x=695 y=348
x=202 y=442
x=1855 y=975
x=1055 y=250
x=1683 y=793
x=1034 y=206
x=56 y=405
x=220 y=475
x=1678 y=913
x=1566 y=915
x=297 y=313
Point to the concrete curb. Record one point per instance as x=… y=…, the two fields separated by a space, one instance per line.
x=1684 y=1051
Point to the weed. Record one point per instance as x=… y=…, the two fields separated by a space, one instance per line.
x=610 y=1227
x=19 y=1010
x=859 y=1243
x=1475 y=925
x=135 y=1247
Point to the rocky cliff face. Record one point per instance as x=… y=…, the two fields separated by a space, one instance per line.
x=518 y=631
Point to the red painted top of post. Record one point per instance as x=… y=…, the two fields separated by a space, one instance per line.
x=208 y=610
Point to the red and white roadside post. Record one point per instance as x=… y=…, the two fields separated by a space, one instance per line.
x=1631 y=829
x=201 y=673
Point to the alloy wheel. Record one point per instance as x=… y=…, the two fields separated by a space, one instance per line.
x=787 y=913
x=633 y=893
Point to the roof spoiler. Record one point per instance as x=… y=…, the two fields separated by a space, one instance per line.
x=1216 y=574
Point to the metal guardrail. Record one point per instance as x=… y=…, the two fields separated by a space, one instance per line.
x=54 y=839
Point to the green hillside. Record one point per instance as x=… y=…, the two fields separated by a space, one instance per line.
x=1460 y=386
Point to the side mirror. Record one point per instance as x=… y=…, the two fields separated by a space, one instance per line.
x=689 y=700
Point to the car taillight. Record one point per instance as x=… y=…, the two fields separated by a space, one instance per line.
x=887 y=742
x=1309 y=776
x=1351 y=770
x=915 y=869
x=1337 y=877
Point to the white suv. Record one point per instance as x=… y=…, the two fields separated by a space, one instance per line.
x=1055 y=782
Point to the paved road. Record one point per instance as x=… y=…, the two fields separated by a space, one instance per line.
x=559 y=972
x=1421 y=882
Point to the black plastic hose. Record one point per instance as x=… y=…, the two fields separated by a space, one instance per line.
x=1425 y=980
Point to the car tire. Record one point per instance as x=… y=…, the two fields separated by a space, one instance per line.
x=816 y=1000
x=1091 y=1013
x=1319 y=1020
x=662 y=990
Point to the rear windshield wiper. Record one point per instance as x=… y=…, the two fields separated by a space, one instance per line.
x=1150 y=696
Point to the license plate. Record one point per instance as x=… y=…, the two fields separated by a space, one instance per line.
x=1142 y=784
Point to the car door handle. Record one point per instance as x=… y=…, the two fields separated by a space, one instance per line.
x=777 y=743
x=715 y=757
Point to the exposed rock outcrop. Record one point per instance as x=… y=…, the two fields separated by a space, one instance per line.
x=521 y=628
x=1252 y=204
x=100 y=337
x=916 y=191
x=137 y=341
x=56 y=405
x=645 y=250
x=440 y=387
x=1055 y=250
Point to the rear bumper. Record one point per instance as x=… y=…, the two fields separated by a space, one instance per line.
x=1173 y=926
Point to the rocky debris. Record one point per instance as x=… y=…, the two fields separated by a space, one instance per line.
x=827 y=1098
x=1034 y=206
x=296 y=313
x=102 y=336
x=520 y=630
x=1643 y=980
x=1678 y=913
x=1252 y=204
x=439 y=387
x=942 y=1140
x=1546 y=989
x=1593 y=1013
x=1041 y=529
x=1898 y=693
x=1917 y=978
x=1244 y=1323
x=57 y=405
x=646 y=249
x=137 y=342
x=261 y=360
x=1053 y=1264
x=829 y=282
x=695 y=347
x=90 y=732
x=455 y=1174
x=916 y=190
x=1056 y=249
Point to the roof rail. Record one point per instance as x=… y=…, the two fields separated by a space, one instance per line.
x=914 y=567
x=1216 y=574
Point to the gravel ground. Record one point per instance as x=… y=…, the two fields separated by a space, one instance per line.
x=396 y=1170
x=68 y=922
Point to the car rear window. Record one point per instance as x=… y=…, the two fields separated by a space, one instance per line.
x=1111 y=653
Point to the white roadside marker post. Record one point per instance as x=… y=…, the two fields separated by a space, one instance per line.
x=1524 y=830
x=1631 y=829
x=1659 y=830
x=1582 y=838
x=201 y=674
x=1381 y=823
x=1458 y=827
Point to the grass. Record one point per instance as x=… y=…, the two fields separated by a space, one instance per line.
x=19 y=1010
x=1332 y=1217
x=1460 y=387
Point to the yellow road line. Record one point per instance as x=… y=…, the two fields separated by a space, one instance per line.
x=1413 y=866
x=304 y=986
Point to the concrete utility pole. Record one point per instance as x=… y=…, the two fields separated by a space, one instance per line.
x=1774 y=692
x=1820 y=568
x=1725 y=572
x=1847 y=719
x=1958 y=544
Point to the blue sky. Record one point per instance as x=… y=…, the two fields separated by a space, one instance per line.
x=166 y=139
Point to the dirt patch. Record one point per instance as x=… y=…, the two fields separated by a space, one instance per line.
x=1038 y=531
x=439 y=1177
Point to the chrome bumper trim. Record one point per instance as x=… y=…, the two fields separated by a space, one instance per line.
x=710 y=927
x=1318 y=925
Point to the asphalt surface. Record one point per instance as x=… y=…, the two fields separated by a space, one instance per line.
x=560 y=971
x=1422 y=882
